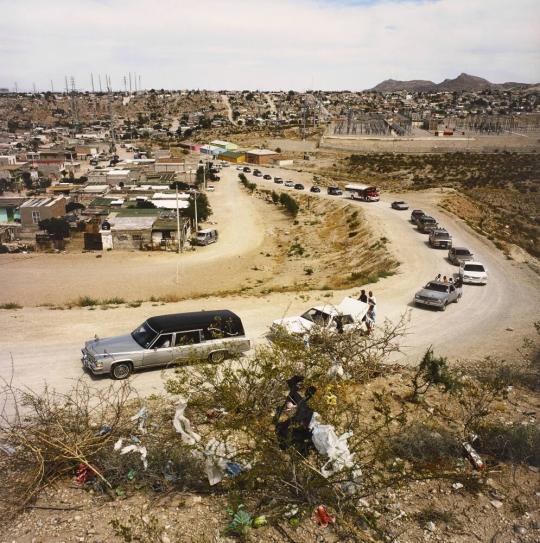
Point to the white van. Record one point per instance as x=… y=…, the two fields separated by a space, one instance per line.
x=207 y=236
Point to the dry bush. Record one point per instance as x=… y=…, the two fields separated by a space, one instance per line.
x=50 y=434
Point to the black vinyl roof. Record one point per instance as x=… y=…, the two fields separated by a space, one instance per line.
x=196 y=320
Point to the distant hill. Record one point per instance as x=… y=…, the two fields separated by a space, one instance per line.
x=463 y=82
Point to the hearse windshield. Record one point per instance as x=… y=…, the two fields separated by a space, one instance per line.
x=144 y=335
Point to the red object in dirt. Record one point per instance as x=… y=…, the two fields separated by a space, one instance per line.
x=323 y=518
x=473 y=456
x=83 y=474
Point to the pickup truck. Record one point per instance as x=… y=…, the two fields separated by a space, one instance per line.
x=350 y=311
x=438 y=294
x=440 y=238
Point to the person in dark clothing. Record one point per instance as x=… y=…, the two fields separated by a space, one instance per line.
x=363 y=296
x=282 y=421
x=300 y=432
x=339 y=324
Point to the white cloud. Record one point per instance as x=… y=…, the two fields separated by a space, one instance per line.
x=268 y=43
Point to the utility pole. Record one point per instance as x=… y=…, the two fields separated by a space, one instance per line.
x=129 y=82
x=99 y=76
x=16 y=88
x=139 y=82
x=92 y=80
x=34 y=85
x=178 y=246
x=135 y=81
x=196 y=221
x=52 y=87
x=125 y=84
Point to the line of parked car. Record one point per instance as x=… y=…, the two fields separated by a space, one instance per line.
x=445 y=290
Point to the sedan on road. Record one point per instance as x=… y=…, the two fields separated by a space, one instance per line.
x=400 y=205
x=334 y=191
x=416 y=215
x=299 y=186
x=459 y=255
x=278 y=180
x=289 y=184
x=315 y=189
x=474 y=273
x=268 y=177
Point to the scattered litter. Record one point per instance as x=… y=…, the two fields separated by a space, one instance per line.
x=233 y=469
x=430 y=526
x=83 y=474
x=259 y=521
x=215 y=413
x=141 y=417
x=509 y=329
x=331 y=399
x=473 y=456
x=328 y=443
x=132 y=448
x=290 y=511
x=8 y=449
x=134 y=439
x=323 y=518
x=457 y=486
x=217 y=458
x=131 y=475
x=336 y=371
x=104 y=430
x=182 y=425
x=496 y=503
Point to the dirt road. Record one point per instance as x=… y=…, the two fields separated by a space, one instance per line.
x=489 y=319
x=227 y=104
x=241 y=232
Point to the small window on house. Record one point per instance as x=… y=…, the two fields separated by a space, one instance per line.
x=136 y=237
x=36 y=217
x=122 y=237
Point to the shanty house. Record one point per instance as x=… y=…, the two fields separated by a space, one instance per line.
x=34 y=210
x=261 y=156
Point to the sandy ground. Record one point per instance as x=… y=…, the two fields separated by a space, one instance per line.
x=489 y=320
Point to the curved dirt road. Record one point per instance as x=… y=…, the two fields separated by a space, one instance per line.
x=45 y=344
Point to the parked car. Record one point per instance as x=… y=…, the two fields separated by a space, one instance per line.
x=167 y=339
x=440 y=238
x=299 y=186
x=210 y=188
x=314 y=189
x=289 y=184
x=438 y=294
x=225 y=164
x=246 y=169
x=334 y=191
x=206 y=236
x=214 y=177
x=350 y=310
x=278 y=180
x=257 y=173
x=416 y=214
x=459 y=255
x=426 y=224
x=400 y=205
x=267 y=177
x=473 y=272
x=240 y=168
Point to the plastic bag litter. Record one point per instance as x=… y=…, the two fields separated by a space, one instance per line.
x=217 y=458
x=336 y=371
x=141 y=416
x=322 y=517
x=329 y=444
x=182 y=425
x=132 y=448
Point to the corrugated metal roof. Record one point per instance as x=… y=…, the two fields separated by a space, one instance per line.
x=132 y=223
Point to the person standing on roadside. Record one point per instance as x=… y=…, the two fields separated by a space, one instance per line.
x=363 y=296
x=371 y=298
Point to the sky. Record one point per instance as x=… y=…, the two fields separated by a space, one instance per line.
x=266 y=44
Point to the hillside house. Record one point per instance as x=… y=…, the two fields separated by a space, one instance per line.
x=34 y=210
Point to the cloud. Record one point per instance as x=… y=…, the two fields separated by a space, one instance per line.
x=268 y=44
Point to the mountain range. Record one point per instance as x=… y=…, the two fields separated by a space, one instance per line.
x=463 y=82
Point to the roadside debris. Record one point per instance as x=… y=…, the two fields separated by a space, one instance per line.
x=141 y=417
x=182 y=425
x=473 y=456
x=132 y=448
x=322 y=517
x=83 y=474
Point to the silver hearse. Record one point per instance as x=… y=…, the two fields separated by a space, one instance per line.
x=166 y=339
